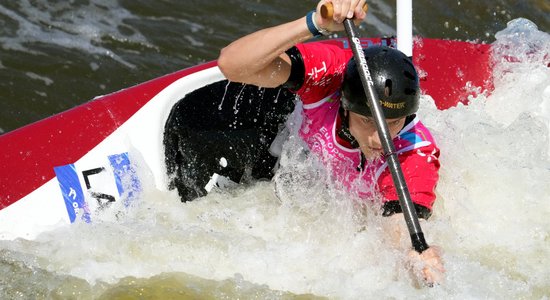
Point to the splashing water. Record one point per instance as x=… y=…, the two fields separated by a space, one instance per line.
x=493 y=195
x=490 y=218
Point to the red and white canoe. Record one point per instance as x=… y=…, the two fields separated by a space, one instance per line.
x=60 y=169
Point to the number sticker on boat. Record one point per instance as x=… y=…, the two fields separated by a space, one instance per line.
x=90 y=189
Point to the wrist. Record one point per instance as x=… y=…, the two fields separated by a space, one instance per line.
x=316 y=30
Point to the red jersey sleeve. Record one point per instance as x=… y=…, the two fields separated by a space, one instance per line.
x=324 y=70
x=421 y=171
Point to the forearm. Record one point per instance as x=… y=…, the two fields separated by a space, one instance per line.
x=259 y=58
x=395 y=230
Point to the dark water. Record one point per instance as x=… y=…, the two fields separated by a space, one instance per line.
x=57 y=54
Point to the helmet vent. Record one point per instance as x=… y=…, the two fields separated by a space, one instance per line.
x=409 y=75
x=410 y=91
x=408 y=61
x=388 y=88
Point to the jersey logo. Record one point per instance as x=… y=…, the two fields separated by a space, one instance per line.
x=316 y=72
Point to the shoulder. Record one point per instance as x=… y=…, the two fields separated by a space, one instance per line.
x=421 y=171
x=324 y=67
x=323 y=59
x=425 y=157
x=320 y=47
x=413 y=135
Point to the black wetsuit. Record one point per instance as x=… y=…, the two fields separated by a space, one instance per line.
x=224 y=128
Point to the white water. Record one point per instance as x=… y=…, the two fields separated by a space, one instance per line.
x=490 y=219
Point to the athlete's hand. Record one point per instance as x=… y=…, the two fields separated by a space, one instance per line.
x=342 y=9
x=427 y=265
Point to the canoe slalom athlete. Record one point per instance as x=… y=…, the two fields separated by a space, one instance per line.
x=338 y=125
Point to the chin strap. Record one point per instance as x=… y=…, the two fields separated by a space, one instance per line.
x=361 y=165
x=346 y=135
x=344 y=132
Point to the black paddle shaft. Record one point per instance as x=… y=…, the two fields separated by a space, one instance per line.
x=411 y=218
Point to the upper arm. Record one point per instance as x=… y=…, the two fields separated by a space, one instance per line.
x=324 y=67
x=274 y=74
x=421 y=172
x=255 y=72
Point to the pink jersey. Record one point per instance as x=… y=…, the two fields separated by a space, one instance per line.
x=320 y=93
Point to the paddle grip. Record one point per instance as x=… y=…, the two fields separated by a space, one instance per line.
x=327 y=10
x=418 y=242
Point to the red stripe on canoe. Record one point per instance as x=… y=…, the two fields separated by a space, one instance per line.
x=66 y=137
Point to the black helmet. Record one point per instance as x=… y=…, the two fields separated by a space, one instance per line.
x=395 y=82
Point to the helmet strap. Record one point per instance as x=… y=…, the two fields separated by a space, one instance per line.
x=344 y=132
x=346 y=135
x=361 y=165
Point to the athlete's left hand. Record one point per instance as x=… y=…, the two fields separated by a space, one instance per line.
x=427 y=265
x=350 y=9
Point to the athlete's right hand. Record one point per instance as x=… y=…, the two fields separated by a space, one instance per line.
x=342 y=9
x=427 y=265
